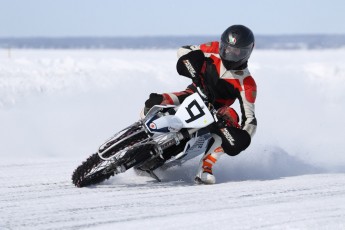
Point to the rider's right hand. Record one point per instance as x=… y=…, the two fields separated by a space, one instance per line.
x=154 y=99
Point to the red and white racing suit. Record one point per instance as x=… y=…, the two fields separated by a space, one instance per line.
x=226 y=86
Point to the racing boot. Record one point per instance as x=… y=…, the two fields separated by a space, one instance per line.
x=205 y=174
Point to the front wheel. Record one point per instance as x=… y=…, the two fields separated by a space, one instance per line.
x=92 y=171
x=95 y=170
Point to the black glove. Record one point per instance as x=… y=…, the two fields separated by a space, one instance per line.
x=155 y=99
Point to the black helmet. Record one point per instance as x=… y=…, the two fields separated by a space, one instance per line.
x=236 y=46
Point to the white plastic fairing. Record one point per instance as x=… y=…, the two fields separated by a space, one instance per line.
x=193 y=113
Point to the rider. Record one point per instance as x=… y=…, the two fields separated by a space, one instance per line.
x=222 y=72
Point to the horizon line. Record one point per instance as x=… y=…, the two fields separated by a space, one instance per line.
x=156 y=36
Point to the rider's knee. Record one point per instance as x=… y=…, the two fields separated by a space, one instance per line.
x=234 y=140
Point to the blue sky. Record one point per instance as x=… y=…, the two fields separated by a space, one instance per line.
x=20 y=18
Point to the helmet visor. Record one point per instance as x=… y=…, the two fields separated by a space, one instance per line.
x=234 y=54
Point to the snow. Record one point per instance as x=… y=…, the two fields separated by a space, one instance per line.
x=58 y=106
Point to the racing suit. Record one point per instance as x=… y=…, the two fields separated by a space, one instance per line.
x=226 y=86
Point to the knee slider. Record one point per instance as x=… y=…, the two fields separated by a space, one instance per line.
x=234 y=140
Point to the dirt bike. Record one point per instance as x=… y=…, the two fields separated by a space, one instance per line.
x=166 y=136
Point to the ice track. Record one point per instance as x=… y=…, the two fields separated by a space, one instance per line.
x=39 y=195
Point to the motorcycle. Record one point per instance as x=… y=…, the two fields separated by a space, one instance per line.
x=168 y=135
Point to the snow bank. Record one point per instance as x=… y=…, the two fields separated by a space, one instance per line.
x=65 y=103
